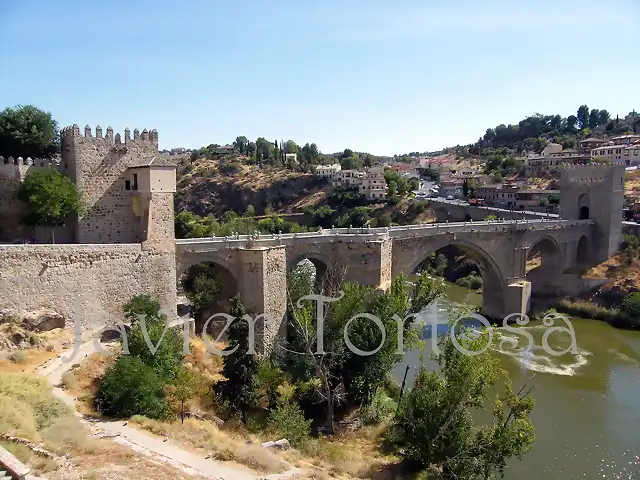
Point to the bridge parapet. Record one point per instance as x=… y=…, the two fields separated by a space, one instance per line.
x=379 y=234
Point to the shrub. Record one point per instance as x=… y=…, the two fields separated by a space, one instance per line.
x=631 y=304
x=18 y=357
x=472 y=281
x=230 y=168
x=381 y=408
x=393 y=200
x=289 y=422
x=131 y=387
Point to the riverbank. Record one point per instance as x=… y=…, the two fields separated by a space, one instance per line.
x=593 y=311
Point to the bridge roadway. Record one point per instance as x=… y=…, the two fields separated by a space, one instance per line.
x=491 y=210
x=381 y=233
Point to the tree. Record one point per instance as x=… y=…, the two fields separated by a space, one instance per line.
x=160 y=347
x=465 y=187
x=241 y=143
x=50 y=199
x=144 y=305
x=240 y=368
x=594 y=118
x=336 y=374
x=583 y=117
x=131 y=387
x=201 y=286
x=603 y=117
x=435 y=425
x=27 y=131
x=183 y=387
x=571 y=122
x=250 y=211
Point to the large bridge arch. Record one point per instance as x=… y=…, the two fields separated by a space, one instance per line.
x=322 y=266
x=544 y=264
x=409 y=254
x=584 y=204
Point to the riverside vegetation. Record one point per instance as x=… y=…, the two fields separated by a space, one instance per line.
x=305 y=397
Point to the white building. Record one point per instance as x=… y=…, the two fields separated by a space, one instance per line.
x=370 y=181
x=620 y=153
x=291 y=157
x=327 y=171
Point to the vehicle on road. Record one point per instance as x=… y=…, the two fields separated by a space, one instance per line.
x=476 y=201
x=449 y=197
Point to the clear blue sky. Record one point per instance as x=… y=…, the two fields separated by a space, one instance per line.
x=379 y=76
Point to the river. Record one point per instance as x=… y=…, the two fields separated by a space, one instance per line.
x=587 y=404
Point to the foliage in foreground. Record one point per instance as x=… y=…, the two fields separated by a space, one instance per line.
x=435 y=425
x=135 y=384
x=49 y=198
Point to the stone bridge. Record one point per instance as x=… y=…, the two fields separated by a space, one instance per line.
x=256 y=266
x=588 y=233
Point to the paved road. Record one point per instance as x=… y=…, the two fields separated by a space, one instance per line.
x=143 y=442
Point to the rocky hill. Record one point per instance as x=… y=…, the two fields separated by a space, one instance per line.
x=212 y=187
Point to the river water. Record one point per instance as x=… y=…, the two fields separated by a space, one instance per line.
x=587 y=404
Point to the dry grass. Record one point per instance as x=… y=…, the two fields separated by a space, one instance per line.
x=632 y=185
x=223 y=444
x=349 y=456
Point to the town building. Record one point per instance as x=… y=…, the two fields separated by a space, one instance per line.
x=624 y=154
x=327 y=171
x=290 y=158
x=370 y=181
x=512 y=196
x=627 y=139
x=589 y=144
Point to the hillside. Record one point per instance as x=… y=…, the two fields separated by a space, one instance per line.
x=212 y=187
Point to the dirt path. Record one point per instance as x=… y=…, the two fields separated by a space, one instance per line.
x=142 y=442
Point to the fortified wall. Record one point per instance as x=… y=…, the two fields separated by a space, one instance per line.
x=122 y=243
x=12 y=172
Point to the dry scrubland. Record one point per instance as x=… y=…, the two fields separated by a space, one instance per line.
x=29 y=410
x=348 y=455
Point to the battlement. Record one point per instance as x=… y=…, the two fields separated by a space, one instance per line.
x=38 y=162
x=146 y=137
x=589 y=174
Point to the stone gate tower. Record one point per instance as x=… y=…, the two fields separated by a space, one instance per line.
x=595 y=192
x=127 y=188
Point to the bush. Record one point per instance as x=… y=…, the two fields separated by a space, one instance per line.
x=393 y=200
x=381 y=408
x=631 y=305
x=230 y=168
x=471 y=281
x=288 y=421
x=131 y=387
x=18 y=357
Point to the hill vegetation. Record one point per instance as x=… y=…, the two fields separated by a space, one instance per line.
x=534 y=132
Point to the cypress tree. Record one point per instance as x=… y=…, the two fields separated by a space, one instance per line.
x=239 y=368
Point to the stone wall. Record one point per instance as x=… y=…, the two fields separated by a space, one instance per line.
x=100 y=278
x=12 y=172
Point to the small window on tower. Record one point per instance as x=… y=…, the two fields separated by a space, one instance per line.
x=135 y=181
x=127 y=184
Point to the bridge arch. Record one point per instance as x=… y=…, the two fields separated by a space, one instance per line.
x=494 y=281
x=212 y=265
x=544 y=265
x=321 y=264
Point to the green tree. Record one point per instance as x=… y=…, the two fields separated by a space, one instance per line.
x=27 y=131
x=240 y=367
x=183 y=388
x=49 y=199
x=594 y=118
x=145 y=305
x=250 y=211
x=157 y=345
x=337 y=374
x=571 y=122
x=435 y=425
x=491 y=217
x=631 y=305
x=603 y=117
x=583 y=117
x=131 y=387
x=241 y=143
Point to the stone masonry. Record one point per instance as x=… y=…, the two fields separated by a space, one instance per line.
x=121 y=245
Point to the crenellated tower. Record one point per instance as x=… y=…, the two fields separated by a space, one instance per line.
x=127 y=188
x=595 y=192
